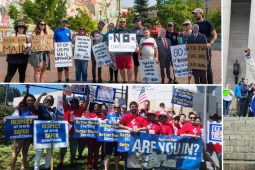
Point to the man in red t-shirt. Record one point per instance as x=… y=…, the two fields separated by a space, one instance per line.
x=146 y=105
x=191 y=129
x=72 y=111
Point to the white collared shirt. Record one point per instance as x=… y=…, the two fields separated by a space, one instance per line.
x=164 y=42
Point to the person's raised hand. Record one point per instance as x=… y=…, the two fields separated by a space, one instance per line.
x=44 y=94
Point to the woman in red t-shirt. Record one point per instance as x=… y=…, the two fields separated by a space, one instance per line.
x=152 y=125
x=166 y=128
x=93 y=144
x=191 y=129
x=175 y=125
x=170 y=114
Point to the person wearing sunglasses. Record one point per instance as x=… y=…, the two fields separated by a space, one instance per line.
x=81 y=66
x=62 y=34
x=124 y=109
x=191 y=129
x=170 y=114
x=44 y=112
x=206 y=28
x=18 y=61
x=113 y=118
x=25 y=108
x=40 y=60
x=98 y=37
x=183 y=39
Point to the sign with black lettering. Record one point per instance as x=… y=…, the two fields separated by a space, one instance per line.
x=149 y=71
x=82 y=48
x=180 y=61
x=42 y=43
x=122 y=42
x=197 y=57
x=14 y=45
x=102 y=56
x=63 y=54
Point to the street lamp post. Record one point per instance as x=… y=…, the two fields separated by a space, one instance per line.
x=100 y=12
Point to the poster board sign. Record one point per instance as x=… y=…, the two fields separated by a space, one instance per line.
x=80 y=89
x=105 y=94
x=113 y=65
x=180 y=61
x=123 y=140
x=85 y=127
x=122 y=42
x=63 y=54
x=82 y=47
x=151 y=151
x=14 y=45
x=107 y=132
x=42 y=43
x=19 y=127
x=226 y=92
x=149 y=71
x=197 y=57
x=60 y=109
x=102 y=56
x=47 y=132
x=182 y=97
x=214 y=134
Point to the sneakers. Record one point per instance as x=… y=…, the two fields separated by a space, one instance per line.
x=176 y=82
x=72 y=166
x=60 y=166
x=116 y=81
x=170 y=81
x=227 y=115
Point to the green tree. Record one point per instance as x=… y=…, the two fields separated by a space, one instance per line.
x=142 y=9
x=12 y=92
x=33 y=11
x=215 y=17
x=176 y=11
x=81 y=19
x=131 y=14
x=23 y=94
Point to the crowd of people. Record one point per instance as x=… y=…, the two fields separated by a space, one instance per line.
x=146 y=48
x=162 y=122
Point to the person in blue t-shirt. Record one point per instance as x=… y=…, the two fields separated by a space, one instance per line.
x=112 y=30
x=112 y=118
x=62 y=34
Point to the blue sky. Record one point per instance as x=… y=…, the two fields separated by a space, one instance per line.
x=130 y=3
x=37 y=90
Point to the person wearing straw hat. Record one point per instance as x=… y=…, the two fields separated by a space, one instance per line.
x=166 y=128
x=18 y=61
x=152 y=125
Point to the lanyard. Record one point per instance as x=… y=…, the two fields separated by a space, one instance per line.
x=151 y=127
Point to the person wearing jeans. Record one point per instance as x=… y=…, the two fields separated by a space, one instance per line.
x=237 y=94
x=243 y=98
x=227 y=99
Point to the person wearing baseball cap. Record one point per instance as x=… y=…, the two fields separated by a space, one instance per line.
x=152 y=125
x=206 y=28
x=166 y=128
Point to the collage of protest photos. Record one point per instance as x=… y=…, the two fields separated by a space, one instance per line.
x=124 y=85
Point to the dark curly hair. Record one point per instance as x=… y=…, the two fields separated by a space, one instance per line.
x=23 y=104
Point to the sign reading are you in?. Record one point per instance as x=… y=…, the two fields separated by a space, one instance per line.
x=82 y=48
x=63 y=54
x=14 y=45
x=122 y=42
x=197 y=57
x=102 y=56
x=42 y=42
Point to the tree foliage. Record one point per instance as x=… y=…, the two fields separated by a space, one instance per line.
x=81 y=19
x=215 y=17
x=12 y=92
x=176 y=11
x=142 y=9
x=131 y=14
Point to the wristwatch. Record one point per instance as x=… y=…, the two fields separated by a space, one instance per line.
x=211 y=43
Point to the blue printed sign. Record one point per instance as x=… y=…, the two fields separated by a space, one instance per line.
x=107 y=132
x=182 y=97
x=19 y=127
x=215 y=133
x=164 y=152
x=123 y=140
x=105 y=94
x=85 y=127
x=79 y=89
x=47 y=132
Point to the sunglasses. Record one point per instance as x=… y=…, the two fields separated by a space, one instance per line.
x=64 y=22
x=116 y=107
x=43 y=24
x=185 y=24
x=124 y=108
x=169 y=26
x=137 y=21
x=49 y=100
x=122 y=22
x=30 y=100
x=82 y=29
x=192 y=117
x=21 y=27
x=195 y=13
x=170 y=111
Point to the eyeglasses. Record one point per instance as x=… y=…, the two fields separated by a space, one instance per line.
x=185 y=24
x=169 y=26
x=116 y=107
x=64 y=22
x=192 y=117
x=21 y=27
x=124 y=108
x=43 y=24
x=82 y=29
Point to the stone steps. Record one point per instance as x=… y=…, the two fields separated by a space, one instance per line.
x=239 y=165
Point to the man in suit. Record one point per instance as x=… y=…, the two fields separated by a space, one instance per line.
x=200 y=76
x=164 y=55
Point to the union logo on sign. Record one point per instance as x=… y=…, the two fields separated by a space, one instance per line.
x=133 y=38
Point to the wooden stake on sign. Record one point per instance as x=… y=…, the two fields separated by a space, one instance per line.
x=180 y=111
x=51 y=156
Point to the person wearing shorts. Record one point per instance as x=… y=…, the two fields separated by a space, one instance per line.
x=124 y=59
x=62 y=34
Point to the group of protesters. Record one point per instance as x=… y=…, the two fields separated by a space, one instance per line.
x=146 y=48
x=162 y=122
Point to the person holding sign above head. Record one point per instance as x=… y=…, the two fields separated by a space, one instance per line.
x=166 y=128
x=44 y=112
x=18 y=61
x=200 y=76
x=92 y=143
x=97 y=37
x=62 y=34
x=113 y=118
x=81 y=66
x=153 y=127
x=72 y=111
x=124 y=59
x=191 y=129
x=164 y=55
x=40 y=60
x=25 y=108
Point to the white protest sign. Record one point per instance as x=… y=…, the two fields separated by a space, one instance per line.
x=149 y=71
x=63 y=54
x=82 y=48
x=122 y=42
x=102 y=56
x=180 y=61
x=113 y=64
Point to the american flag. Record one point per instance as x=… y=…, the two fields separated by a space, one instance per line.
x=142 y=96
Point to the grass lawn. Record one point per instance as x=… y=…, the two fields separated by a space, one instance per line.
x=6 y=152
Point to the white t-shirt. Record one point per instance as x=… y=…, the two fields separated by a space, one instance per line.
x=148 y=48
